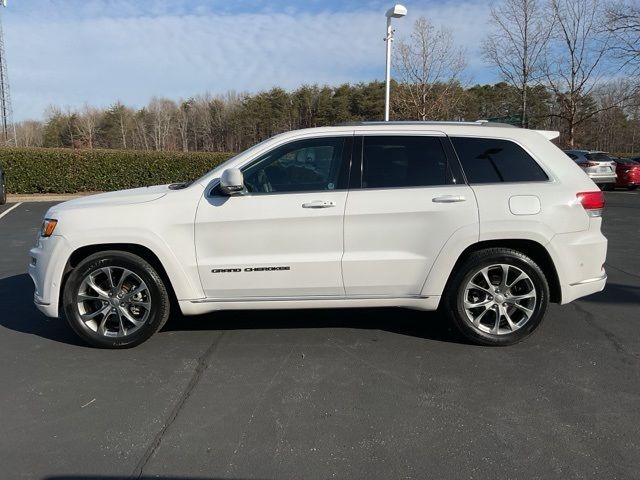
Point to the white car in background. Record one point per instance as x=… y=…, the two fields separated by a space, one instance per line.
x=600 y=167
x=489 y=223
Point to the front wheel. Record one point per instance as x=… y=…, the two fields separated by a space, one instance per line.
x=498 y=296
x=115 y=299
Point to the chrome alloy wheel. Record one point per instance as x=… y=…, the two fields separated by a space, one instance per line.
x=499 y=299
x=113 y=301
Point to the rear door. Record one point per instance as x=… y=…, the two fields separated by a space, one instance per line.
x=407 y=201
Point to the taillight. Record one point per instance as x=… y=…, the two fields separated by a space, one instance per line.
x=592 y=202
x=592 y=164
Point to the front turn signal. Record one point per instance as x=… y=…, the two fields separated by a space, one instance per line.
x=48 y=226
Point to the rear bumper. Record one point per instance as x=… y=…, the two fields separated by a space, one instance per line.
x=626 y=180
x=579 y=258
x=599 y=179
x=583 y=288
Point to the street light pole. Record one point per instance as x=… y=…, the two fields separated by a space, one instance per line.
x=397 y=11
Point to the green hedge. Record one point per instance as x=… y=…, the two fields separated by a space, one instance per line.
x=59 y=170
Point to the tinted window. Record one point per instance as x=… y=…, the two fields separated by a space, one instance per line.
x=305 y=165
x=601 y=157
x=396 y=161
x=487 y=160
x=626 y=161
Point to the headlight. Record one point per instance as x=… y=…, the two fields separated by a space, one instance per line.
x=48 y=226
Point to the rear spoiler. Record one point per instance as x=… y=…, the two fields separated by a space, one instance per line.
x=549 y=134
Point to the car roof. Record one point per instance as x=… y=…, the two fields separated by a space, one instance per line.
x=480 y=129
x=584 y=151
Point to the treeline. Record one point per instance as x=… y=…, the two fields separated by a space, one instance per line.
x=234 y=122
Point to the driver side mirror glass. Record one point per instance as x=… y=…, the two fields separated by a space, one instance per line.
x=232 y=182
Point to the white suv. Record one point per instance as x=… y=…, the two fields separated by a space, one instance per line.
x=488 y=223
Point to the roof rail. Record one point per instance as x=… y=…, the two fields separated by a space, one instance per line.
x=478 y=123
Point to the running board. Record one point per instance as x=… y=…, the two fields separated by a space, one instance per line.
x=205 y=305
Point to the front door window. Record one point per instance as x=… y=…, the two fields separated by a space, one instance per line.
x=302 y=166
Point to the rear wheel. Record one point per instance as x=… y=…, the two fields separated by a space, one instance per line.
x=498 y=296
x=115 y=299
x=632 y=187
x=607 y=187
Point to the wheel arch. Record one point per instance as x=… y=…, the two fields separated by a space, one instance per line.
x=534 y=250
x=143 y=252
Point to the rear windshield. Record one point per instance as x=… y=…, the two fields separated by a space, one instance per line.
x=599 y=157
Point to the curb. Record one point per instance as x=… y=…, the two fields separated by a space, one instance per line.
x=46 y=197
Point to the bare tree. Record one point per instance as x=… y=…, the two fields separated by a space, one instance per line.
x=623 y=22
x=123 y=117
x=518 y=44
x=609 y=125
x=574 y=63
x=30 y=133
x=430 y=67
x=161 y=113
x=87 y=123
x=183 y=121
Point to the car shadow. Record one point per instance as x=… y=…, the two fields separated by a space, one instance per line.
x=426 y=325
x=18 y=313
x=615 y=293
x=110 y=477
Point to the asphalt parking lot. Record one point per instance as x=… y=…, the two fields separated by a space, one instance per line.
x=324 y=394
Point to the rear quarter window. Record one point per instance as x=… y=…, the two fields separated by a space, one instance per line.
x=489 y=160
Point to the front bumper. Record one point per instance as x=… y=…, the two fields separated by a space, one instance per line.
x=46 y=268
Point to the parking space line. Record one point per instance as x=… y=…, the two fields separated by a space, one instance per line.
x=9 y=209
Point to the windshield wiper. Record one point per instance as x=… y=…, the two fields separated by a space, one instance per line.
x=179 y=185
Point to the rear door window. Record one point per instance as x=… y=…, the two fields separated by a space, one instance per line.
x=489 y=160
x=404 y=161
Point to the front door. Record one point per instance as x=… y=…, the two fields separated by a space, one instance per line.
x=411 y=201
x=284 y=237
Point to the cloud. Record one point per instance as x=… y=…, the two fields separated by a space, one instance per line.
x=64 y=54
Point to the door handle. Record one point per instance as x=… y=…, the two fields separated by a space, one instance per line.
x=449 y=199
x=319 y=204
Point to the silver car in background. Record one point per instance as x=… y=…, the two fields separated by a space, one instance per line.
x=598 y=165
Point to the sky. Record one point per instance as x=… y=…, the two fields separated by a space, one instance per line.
x=70 y=53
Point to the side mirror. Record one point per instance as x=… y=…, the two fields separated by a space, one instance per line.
x=232 y=182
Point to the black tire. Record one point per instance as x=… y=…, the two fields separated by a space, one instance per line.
x=607 y=187
x=632 y=187
x=155 y=292
x=3 y=191
x=454 y=296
